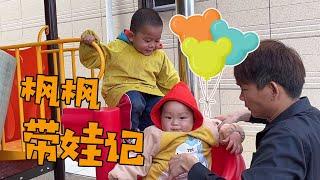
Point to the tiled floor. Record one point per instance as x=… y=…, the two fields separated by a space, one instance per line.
x=71 y=166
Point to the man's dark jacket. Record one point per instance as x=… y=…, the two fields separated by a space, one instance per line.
x=288 y=148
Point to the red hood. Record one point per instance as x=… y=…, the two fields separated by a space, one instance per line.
x=180 y=92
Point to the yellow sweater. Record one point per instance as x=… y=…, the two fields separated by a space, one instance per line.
x=160 y=147
x=197 y=142
x=127 y=69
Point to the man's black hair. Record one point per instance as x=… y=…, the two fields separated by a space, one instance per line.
x=273 y=61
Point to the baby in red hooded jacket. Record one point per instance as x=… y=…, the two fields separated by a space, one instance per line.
x=178 y=128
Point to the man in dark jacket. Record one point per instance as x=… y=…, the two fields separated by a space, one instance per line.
x=271 y=80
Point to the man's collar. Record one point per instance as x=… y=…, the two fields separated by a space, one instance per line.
x=299 y=106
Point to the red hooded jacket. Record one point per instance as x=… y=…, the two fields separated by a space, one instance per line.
x=181 y=93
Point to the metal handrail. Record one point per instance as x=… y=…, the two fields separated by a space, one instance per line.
x=60 y=41
x=60 y=51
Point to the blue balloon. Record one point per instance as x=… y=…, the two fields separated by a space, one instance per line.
x=242 y=43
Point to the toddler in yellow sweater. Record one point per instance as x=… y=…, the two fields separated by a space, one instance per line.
x=138 y=72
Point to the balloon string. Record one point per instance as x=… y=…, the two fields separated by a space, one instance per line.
x=202 y=92
x=211 y=97
x=207 y=88
x=206 y=99
x=207 y=104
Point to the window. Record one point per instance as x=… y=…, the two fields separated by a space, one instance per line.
x=160 y=5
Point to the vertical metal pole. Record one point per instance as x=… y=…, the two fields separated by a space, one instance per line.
x=141 y=4
x=109 y=20
x=51 y=21
x=51 y=18
x=186 y=8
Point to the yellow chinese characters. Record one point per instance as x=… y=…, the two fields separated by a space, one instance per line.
x=47 y=86
x=92 y=141
x=41 y=137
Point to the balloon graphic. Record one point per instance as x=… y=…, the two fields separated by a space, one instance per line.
x=206 y=58
x=197 y=26
x=209 y=44
x=242 y=43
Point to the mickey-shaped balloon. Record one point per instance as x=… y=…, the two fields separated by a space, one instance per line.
x=206 y=58
x=242 y=43
x=196 y=26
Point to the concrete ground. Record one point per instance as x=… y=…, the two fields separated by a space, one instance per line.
x=69 y=176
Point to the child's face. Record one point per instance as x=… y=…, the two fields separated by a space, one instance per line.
x=147 y=39
x=176 y=116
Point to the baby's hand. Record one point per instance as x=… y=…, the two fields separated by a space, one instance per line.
x=87 y=39
x=234 y=143
x=230 y=137
x=225 y=131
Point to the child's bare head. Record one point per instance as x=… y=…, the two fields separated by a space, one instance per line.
x=145 y=30
x=176 y=116
x=145 y=16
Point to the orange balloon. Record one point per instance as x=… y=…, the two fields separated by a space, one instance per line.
x=196 y=26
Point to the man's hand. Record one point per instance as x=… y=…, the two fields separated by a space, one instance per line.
x=243 y=115
x=180 y=164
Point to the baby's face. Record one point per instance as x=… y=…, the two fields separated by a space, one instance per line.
x=176 y=116
x=147 y=39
